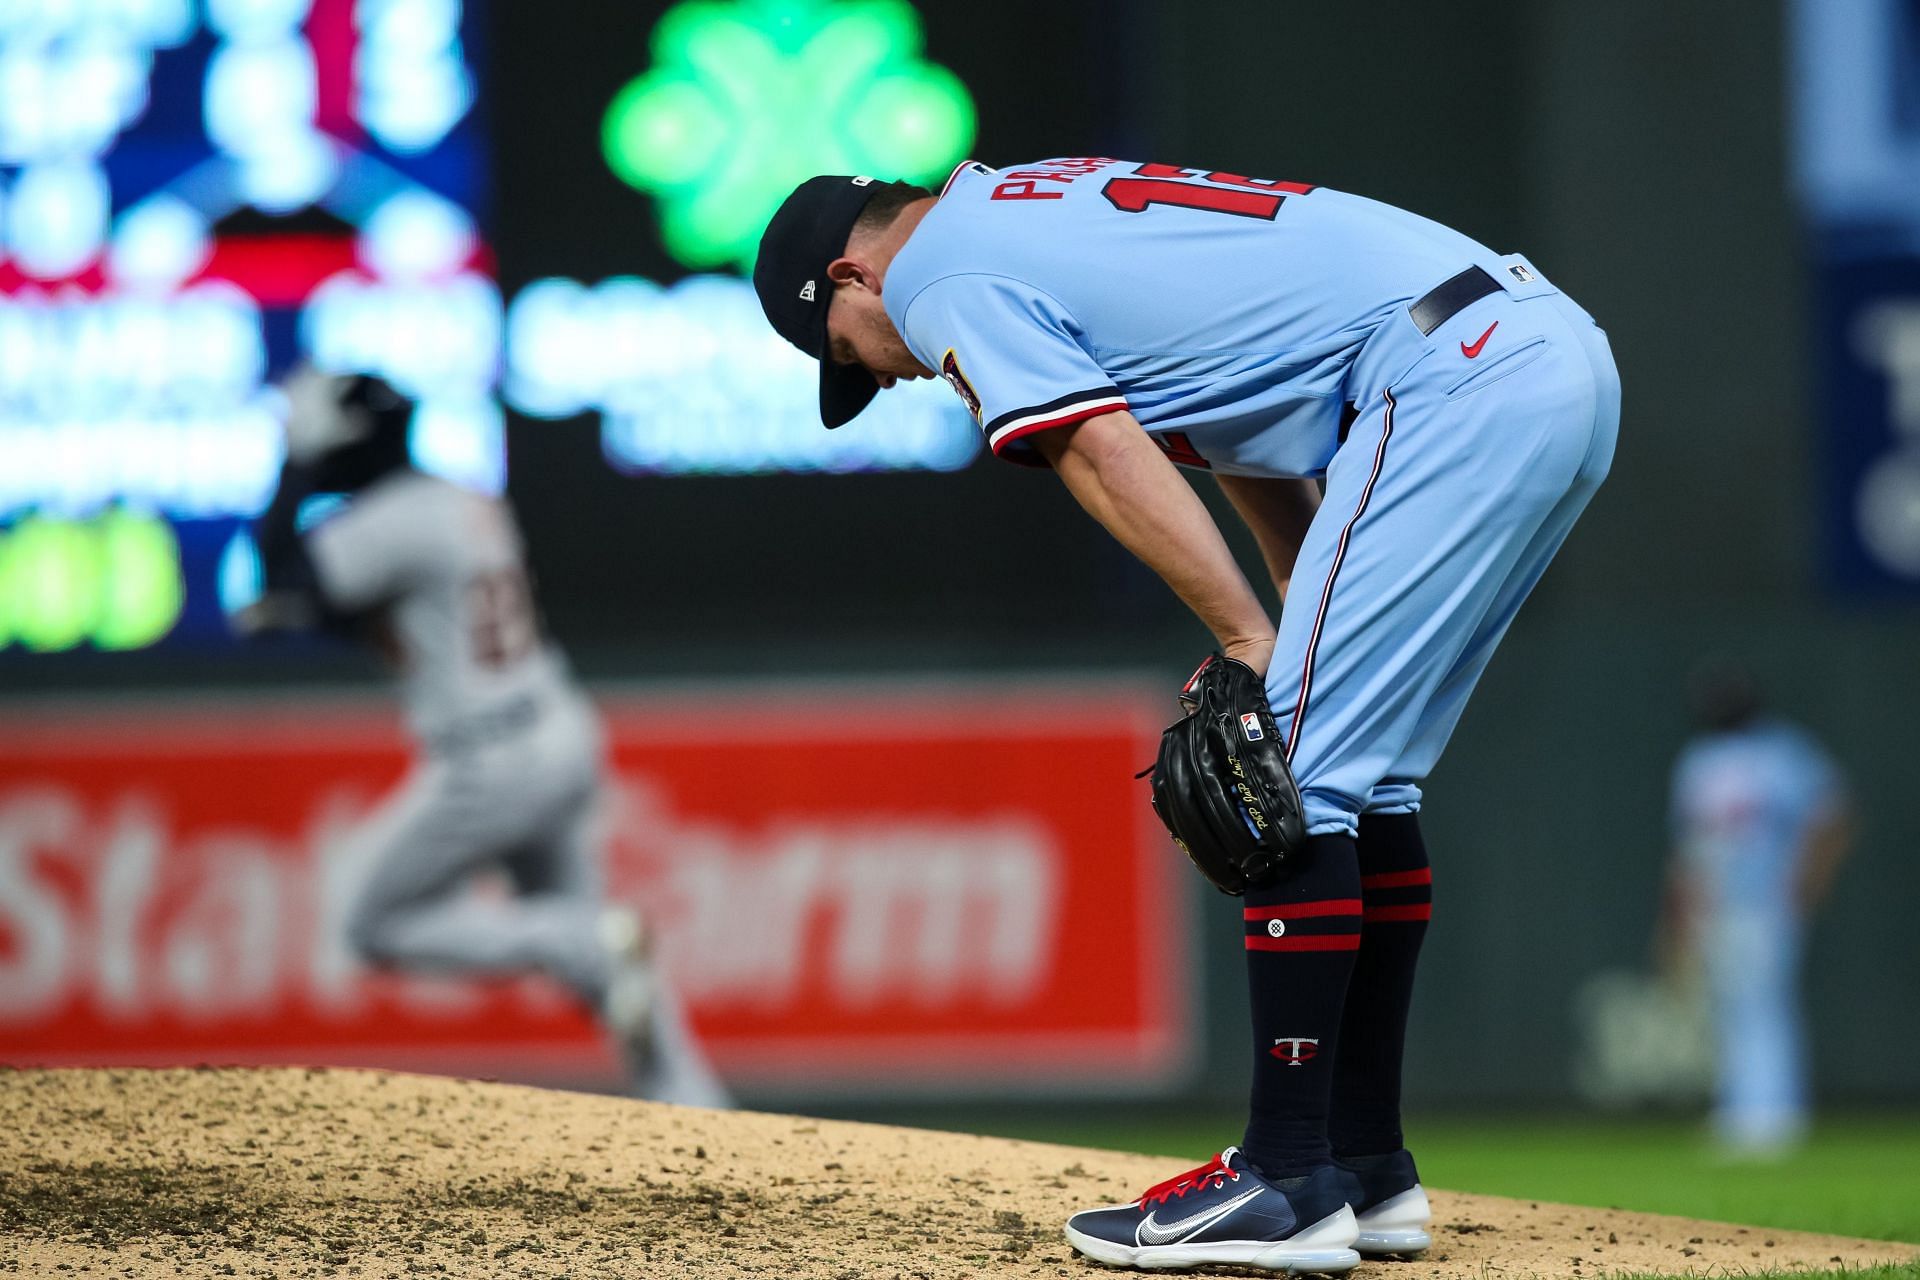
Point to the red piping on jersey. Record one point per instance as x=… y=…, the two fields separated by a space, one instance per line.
x=1326 y=592
x=951 y=176
x=1108 y=404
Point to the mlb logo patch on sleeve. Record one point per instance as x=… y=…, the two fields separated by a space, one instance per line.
x=1250 y=725
x=950 y=370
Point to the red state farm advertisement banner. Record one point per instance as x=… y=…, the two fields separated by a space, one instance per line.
x=908 y=888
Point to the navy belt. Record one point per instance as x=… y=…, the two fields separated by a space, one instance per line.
x=1450 y=297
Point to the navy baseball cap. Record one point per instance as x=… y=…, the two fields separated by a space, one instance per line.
x=808 y=232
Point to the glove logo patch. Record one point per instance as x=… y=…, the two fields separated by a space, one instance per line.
x=1250 y=725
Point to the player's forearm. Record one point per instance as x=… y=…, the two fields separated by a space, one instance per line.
x=277 y=533
x=290 y=598
x=1124 y=482
x=1277 y=512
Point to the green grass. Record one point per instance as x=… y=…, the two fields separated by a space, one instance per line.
x=1856 y=1176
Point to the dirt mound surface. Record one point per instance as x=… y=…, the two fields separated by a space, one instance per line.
x=292 y=1173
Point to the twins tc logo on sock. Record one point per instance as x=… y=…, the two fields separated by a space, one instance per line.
x=1296 y=1050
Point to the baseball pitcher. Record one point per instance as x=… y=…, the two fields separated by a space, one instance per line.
x=1114 y=321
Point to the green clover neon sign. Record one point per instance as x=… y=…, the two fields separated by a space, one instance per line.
x=748 y=99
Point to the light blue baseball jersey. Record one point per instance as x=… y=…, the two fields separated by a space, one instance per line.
x=1742 y=806
x=1231 y=315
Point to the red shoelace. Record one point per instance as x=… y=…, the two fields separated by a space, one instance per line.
x=1214 y=1171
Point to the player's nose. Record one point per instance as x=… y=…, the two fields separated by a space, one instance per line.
x=884 y=379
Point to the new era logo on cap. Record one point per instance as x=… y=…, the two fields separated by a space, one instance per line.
x=806 y=292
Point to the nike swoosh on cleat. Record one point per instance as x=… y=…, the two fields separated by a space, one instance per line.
x=1471 y=351
x=1152 y=1232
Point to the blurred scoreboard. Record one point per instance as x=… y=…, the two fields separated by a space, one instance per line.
x=192 y=197
x=196 y=194
x=537 y=220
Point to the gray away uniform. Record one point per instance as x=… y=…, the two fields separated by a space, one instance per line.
x=509 y=772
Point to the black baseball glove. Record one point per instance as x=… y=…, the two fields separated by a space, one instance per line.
x=1221 y=783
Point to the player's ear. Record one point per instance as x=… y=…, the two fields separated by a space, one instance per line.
x=852 y=271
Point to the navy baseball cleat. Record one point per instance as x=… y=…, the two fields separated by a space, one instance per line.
x=1225 y=1213
x=1392 y=1212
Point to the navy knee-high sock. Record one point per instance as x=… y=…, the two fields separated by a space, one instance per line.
x=1396 y=888
x=1302 y=935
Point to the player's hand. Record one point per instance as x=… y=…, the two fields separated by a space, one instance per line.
x=1256 y=652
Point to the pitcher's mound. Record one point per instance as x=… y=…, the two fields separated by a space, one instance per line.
x=336 y=1173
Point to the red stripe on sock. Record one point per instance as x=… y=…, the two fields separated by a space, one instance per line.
x=1397 y=879
x=1411 y=911
x=1304 y=942
x=1305 y=910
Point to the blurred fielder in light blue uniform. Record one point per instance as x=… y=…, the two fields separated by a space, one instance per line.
x=1760 y=824
x=1111 y=320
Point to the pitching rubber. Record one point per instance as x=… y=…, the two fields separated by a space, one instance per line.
x=1321 y=1249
